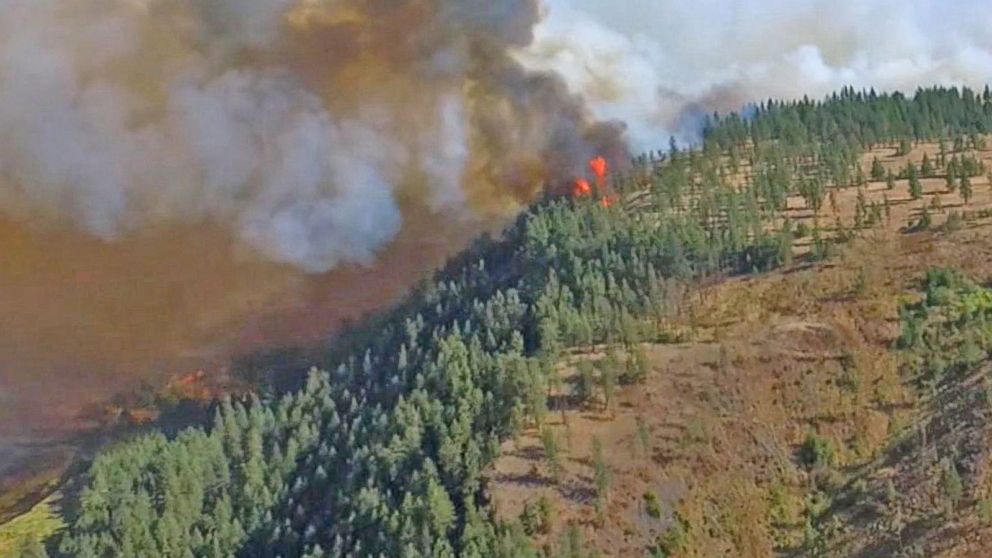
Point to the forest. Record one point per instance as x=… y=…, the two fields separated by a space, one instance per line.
x=385 y=453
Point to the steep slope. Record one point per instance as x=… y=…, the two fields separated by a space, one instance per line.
x=781 y=423
x=389 y=453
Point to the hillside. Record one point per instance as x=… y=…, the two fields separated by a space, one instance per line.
x=700 y=359
x=716 y=452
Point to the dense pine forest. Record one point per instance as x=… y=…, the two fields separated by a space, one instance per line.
x=386 y=453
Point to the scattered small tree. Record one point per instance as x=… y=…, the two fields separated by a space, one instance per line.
x=926 y=168
x=552 y=452
x=877 y=170
x=966 y=190
x=636 y=366
x=608 y=378
x=915 y=188
x=536 y=518
x=652 y=505
x=585 y=382
x=816 y=452
x=952 y=486
x=601 y=473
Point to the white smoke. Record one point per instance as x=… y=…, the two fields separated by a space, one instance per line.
x=305 y=125
x=309 y=128
x=117 y=113
x=660 y=65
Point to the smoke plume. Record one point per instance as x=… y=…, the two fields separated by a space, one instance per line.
x=183 y=182
x=299 y=124
x=662 y=65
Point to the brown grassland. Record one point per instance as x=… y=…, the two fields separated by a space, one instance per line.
x=704 y=456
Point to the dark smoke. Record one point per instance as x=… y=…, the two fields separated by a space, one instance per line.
x=182 y=181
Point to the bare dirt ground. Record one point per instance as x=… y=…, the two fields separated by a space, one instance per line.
x=714 y=433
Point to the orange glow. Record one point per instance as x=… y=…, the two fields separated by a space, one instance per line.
x=599 y=168
x=581 y=188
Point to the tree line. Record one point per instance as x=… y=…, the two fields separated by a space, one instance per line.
x=384 y=453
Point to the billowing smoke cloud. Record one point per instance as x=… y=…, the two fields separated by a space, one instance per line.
x=299 y=124
x=660 y=65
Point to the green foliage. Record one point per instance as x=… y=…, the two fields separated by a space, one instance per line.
x=383 y=452
x=585 y=382
x=923 y=223
x=967 y=191
x=652 y=505
x=536 y=518
x=877 y=170
x=953 y=223
x=608 y=368
x=30 y=548
x=643 y=435
x=926 y=167
x=985 y=510
x=950 y=330
x=26 y=534
x=552 y=451
x=674 y=540
x=573 y=544
x=601 y=473
x=951 y=485
x=915 y=187
x=636 y=366
x=816 y=451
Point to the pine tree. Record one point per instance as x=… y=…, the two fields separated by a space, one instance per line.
x=877 y=170
x=601 y=473
x=915 y=188
x=926 y=168
x=549 y=441
x=904 y=148
x=608 y=372
x=966 y=190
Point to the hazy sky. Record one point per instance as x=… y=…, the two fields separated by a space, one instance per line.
x=657 y=63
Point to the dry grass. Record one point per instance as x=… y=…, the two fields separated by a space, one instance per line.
x=40 y=523
x=771 y=360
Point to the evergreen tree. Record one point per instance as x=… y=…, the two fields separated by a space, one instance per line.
x=926 y=168
x=915 y=188
x=877 y=170
x=966 y=190
x=383 y=454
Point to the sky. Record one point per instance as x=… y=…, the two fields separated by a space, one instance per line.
x=660 y=64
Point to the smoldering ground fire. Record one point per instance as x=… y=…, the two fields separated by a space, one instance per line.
x=180 y=179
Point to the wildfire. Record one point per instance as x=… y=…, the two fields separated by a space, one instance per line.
x=582 y=188
x=191 y=386
x=599 y=168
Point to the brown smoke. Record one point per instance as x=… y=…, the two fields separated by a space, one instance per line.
x=186 y=180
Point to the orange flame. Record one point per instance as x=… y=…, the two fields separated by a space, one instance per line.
x=599 y=168
x=581 y=188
